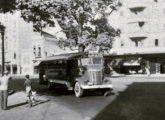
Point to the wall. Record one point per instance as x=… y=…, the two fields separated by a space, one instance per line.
x=142 y=20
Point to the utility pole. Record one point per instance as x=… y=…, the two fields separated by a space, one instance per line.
x=2 y=31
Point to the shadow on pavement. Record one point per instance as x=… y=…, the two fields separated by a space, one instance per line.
x=40 y=102
x=140 y=101
x=18 y=85
x=17 y=105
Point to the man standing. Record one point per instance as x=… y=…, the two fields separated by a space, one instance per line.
x=4 y=82
x=28 y=88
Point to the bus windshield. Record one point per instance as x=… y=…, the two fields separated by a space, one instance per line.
x=97 y=60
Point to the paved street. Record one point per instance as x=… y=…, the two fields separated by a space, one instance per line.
x=61 y=104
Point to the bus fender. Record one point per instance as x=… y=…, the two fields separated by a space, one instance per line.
x=79 y=80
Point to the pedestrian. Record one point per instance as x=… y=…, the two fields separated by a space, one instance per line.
x=28 y=88
x=147 y=70
x=4 y=84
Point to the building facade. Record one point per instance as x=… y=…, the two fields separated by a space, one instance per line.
x=142 y=24
x=26 y=61
x=24 y=48
x=43 y=46
x=11 y=40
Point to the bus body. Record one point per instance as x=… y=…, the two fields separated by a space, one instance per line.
x=77 y=71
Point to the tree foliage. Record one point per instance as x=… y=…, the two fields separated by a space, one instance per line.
x=8 y=5
x=83 y=21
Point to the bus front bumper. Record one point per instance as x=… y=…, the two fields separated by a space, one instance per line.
x=97 y=86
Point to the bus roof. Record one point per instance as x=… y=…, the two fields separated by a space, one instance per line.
x=67 y=56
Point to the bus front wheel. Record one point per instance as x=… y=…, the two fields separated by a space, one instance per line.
x=78 y=90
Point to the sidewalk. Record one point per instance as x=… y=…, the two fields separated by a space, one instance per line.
x=19 y=76
x=139 y=75
x=46 y=110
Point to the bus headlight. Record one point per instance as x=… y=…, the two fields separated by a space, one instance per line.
x=107 y=81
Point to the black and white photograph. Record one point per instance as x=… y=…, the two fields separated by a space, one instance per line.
x=82 y=59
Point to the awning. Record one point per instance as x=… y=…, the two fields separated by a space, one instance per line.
x=132 y=62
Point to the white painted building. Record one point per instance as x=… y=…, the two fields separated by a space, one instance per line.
x=45 y=45
x=27 y=63
x=11 y=22
x=142 y=24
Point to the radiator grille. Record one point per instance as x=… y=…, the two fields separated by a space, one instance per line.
x=96 y=77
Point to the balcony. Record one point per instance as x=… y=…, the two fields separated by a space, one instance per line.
x=138 y=3
x=139 y=50
x=136 y=9
x=139 y=28
x=138 y=13
x=138 y=35
x=138 y=38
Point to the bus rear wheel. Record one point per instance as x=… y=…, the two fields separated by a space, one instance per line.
x=78 y=90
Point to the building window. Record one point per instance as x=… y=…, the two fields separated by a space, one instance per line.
x=34 y=50
x=136 y=43
x=156 y=42
x=39 y=51
x=122 y=44
x=15 y=56
x=141 y=24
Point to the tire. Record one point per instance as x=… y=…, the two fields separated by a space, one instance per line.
x=78 y=90
x=106 y=92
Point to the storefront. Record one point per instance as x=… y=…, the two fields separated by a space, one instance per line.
x=136 y=64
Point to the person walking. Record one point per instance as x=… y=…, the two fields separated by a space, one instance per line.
x=28 y=88
x=4 y=82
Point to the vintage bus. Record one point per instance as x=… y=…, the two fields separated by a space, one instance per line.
x=77 y=71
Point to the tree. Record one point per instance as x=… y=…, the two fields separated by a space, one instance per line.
x=2 y=31
x=83 y=21
x=8 y=5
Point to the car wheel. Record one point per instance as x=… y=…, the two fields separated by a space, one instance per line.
x=78 y=90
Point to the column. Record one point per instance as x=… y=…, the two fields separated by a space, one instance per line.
x=11 y=69
x=157 y=68
x=18 y=69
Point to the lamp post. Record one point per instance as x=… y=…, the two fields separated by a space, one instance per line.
x=2 y=31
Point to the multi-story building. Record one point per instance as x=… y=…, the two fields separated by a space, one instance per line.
x=18 y=40
x=142 y=24
x=10 y=21
x=45 y=45
x=24 y=48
